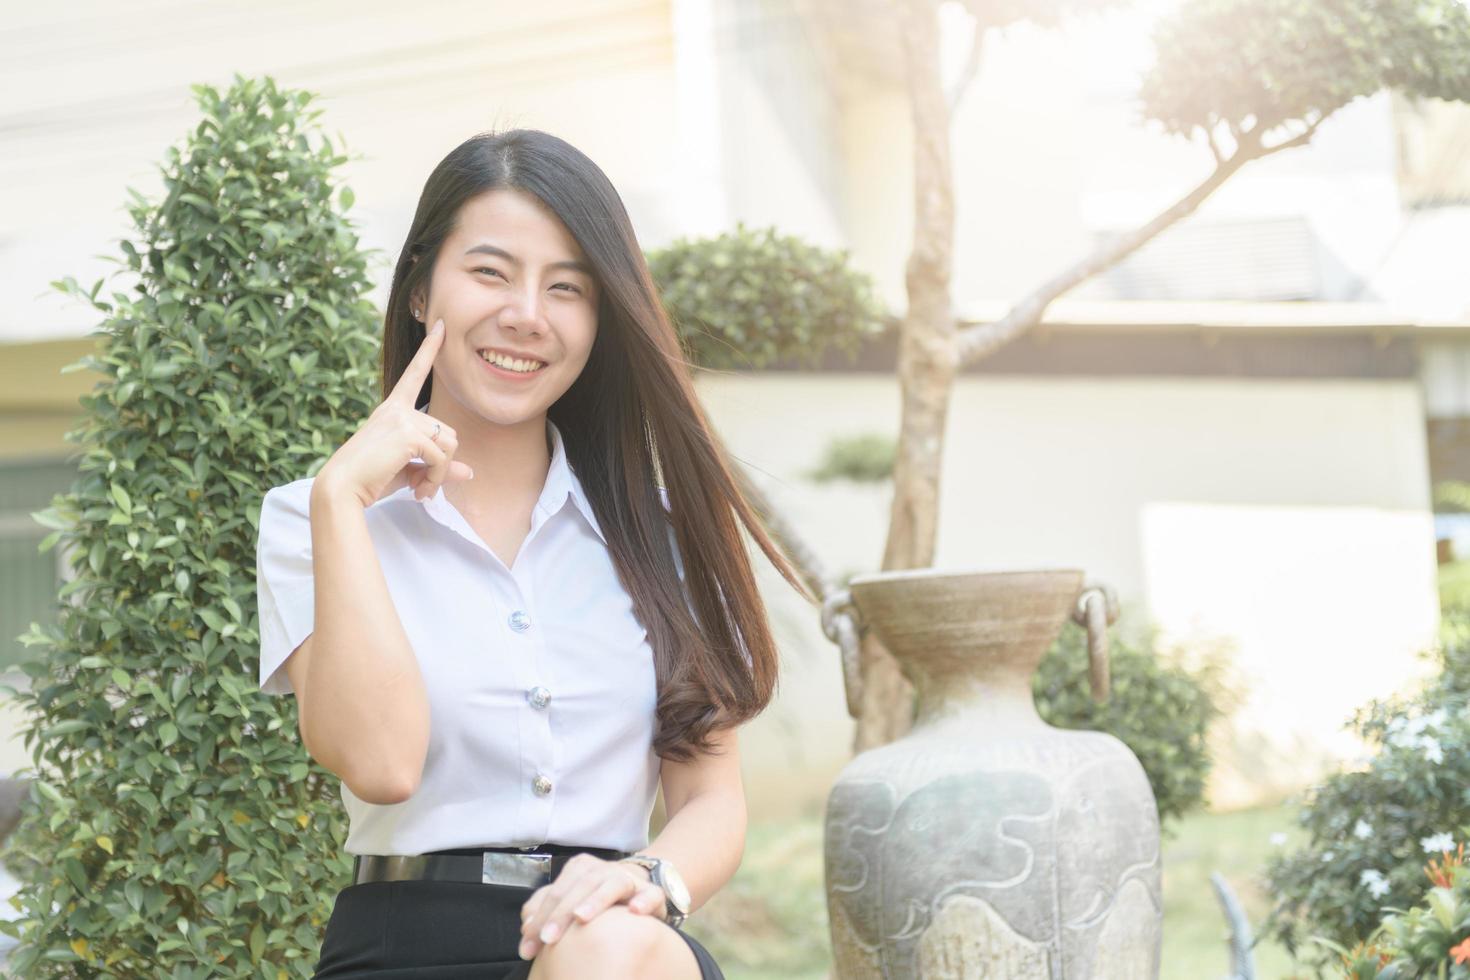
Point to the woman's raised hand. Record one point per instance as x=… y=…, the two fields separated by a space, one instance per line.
x=379 y=457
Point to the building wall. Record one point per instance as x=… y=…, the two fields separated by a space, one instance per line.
x=107 y=91
x=1281 y=524
x=778 y=123
x=702 y=113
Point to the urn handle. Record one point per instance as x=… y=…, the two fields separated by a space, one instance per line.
x=1096 y=610
x=843 y=625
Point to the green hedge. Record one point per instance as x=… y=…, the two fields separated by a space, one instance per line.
x=747 y=298
x=176 y=827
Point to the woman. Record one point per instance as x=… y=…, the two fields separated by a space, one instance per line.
x=517 y=601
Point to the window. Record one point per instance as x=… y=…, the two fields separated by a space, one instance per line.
x=30 y=579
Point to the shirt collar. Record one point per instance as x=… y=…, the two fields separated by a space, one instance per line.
x=561 y=482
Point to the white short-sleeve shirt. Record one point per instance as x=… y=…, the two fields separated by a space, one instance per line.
x=540 y=677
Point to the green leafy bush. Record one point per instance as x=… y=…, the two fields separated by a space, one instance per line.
x=1370 y=830
x=1451 y=497
x=747 y=298
x=865 y=459
x=176 y=827
x=1161 y=711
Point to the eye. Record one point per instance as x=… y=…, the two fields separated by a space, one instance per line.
x=571 y=287
x=488 y=269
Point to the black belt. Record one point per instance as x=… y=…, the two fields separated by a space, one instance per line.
x=527 y=867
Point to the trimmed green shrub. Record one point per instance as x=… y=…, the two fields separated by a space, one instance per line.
x=747 y=298
x=1451 y=497
x=864 y=459
x=1370 y=830
x=1162 y=711
x=176 y=827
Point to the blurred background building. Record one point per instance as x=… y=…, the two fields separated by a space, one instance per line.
x=1239 y=427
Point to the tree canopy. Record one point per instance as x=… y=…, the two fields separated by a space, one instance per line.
x=1253 y=65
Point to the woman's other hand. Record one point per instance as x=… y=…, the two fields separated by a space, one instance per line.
x=586 y=887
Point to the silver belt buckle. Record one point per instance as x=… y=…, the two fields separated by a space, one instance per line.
x=527 y=870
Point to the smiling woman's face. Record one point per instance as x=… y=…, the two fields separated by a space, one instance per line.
x=509 y=281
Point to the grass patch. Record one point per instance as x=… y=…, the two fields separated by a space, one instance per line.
x=1454 y=585
x=770 y=921
x=1237 y=845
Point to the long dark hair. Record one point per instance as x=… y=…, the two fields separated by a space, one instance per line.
x=631 y=423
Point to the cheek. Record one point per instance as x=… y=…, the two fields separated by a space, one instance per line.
x=579 y=347
x=458 y=292
x=587 y=333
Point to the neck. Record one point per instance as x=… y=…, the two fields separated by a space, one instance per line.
x=510 y=461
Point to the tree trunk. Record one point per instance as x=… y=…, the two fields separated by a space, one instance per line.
x=932 y=349
x=927 y=360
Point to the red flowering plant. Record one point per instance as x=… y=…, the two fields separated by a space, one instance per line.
x=1431 y=939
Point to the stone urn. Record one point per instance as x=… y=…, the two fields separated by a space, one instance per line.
x=985 y=842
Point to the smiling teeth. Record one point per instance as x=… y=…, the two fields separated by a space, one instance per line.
x=511 y=363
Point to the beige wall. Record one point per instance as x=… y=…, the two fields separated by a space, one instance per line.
x=702 y=113
x=107 y=92
x=1288 y=520
x=40 y=389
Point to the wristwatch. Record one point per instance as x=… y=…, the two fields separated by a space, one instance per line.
x=662 y=873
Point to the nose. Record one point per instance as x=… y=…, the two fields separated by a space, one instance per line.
x=524 y=313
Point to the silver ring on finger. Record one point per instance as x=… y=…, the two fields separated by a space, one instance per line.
x=434 y=436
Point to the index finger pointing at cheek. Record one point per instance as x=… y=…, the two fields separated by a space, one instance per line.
x=412 y=380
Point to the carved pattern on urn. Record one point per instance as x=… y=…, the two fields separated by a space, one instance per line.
x=986 y=843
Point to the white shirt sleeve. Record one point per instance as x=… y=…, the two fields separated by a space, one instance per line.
x=679 y=567
x=284 y=587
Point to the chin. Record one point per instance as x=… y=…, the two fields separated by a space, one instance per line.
x=511 y=417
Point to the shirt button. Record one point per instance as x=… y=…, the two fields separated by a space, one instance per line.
x=541 y=785
x=540 y=697
x=519 y=621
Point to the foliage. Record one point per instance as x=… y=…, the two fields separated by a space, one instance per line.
x=1256 y=64
x=1161 y=711
x=175 y=826
x=1451 y=657
x=749 y=298
x=864 y=458
x=1452 y=497
x=1368 y=830
x=1432 y=939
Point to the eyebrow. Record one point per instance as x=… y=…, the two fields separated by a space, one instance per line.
x=488 y=249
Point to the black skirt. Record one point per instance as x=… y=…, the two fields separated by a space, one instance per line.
x=436 y=930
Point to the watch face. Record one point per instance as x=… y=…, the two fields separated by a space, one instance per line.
x=677 y=891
